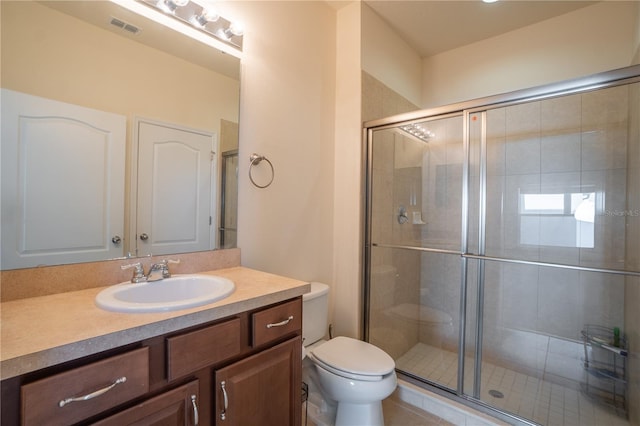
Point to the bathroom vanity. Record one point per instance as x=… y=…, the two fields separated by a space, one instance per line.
x=65 y=361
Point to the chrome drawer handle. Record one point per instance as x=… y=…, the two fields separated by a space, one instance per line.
x=92 y=394
x=223 y=414
x=281 y=323
x=196 y=419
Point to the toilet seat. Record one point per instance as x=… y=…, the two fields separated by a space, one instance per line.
x=353 y=359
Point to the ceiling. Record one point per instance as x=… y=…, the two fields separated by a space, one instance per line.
x=432 y=27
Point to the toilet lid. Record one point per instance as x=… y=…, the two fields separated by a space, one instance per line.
x=355 y=356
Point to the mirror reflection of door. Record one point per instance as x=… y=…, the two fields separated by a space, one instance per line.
x=229 y=200
x=176 y=189
x=62 y=182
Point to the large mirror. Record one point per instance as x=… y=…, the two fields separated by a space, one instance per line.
x=163 y=87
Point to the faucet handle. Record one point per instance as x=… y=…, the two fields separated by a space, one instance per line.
x=166 y=262
x=163 y=267
x=138 y=272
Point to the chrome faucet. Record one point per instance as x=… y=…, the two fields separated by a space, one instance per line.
x=138 y=272
x=157 y=271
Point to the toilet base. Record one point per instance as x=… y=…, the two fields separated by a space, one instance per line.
x=350 y=414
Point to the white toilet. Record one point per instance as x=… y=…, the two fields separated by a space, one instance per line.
x=353 y=376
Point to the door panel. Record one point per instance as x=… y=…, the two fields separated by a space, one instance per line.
x=415 y=280
x=62 y=182
x=261 y=389
x=174 y=189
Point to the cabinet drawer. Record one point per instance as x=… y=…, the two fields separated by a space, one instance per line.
x=74 y=395
x=192 y=351
x=277 y=321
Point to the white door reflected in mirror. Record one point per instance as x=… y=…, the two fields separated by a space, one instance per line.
x=176 y=190
x=62 y=182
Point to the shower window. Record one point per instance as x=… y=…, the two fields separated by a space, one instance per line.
x=558 y=220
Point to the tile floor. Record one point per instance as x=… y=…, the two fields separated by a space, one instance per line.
x=399 y=413
x=530 y=397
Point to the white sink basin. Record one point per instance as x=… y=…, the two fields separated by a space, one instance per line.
x=169 y=294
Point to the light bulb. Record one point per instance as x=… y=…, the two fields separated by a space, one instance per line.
x=236 y=28
x=171 y=5
x=206 y=16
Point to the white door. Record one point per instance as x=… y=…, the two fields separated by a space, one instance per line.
x=62 y=182
x=175 y=190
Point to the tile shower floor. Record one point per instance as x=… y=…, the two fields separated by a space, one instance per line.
x=529 y=397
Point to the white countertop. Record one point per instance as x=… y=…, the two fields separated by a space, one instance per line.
x=43 y=331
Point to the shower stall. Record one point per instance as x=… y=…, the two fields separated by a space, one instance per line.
x=502 y=250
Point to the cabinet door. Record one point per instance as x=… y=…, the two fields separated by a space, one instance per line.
x=176 y=407
x=263 y=389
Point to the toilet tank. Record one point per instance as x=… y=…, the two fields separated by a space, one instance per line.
x=315 y=313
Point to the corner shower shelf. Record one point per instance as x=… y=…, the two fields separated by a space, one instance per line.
x=605 y=365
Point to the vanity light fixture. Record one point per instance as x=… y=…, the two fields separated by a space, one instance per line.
x=201 y=17
x=418 y=131
x=192 y=19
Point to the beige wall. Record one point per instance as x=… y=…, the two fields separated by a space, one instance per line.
x=389 y=58
x=288 y=114
x=347 y=243
x=590 y=40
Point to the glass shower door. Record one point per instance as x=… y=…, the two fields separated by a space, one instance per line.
x=415 y=246
x=550 y=255
x=503 y=251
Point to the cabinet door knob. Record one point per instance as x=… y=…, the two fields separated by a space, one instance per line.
x=144 y=237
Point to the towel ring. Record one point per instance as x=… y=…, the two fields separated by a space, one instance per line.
x=255 y=159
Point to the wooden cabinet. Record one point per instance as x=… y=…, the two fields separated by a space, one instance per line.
x=175 y=379
x=262 y=387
